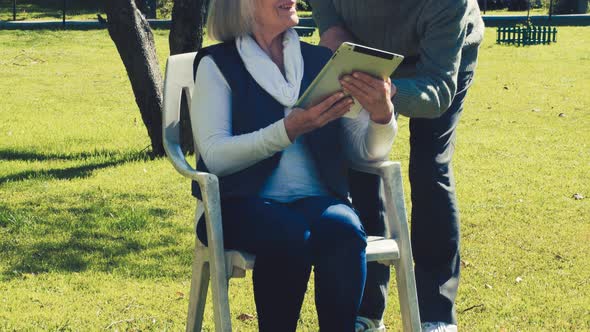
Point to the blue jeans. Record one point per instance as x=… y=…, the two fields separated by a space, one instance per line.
x=435 y=216
x=287 y=239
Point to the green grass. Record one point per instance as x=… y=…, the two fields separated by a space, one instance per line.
x=94 y=235
x=534 y=11
x=50 y=10
x=36 y=10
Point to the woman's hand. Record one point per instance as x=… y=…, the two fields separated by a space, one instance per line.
x=301 y=121
x=372 y=93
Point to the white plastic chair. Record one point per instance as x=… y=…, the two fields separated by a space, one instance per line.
x=216 y=265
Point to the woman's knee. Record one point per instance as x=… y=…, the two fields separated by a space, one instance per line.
x=339 y=226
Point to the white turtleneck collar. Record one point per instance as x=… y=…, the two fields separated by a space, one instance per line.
x=285 y=89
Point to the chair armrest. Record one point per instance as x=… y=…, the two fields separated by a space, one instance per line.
x=209 y=185
x=390 y=173
x=395 y=208
x=178 y=160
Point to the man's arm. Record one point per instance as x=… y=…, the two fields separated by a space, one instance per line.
x=332 y=30
x=334 y=36
x=430 y=92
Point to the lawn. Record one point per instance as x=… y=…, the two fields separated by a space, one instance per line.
x=50 y=10
x=96 y=236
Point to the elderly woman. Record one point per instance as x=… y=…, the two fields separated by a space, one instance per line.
x=283 y=171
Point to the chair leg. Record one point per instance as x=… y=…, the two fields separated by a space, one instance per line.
x=408 y=299
x=198 y=295
x=221 y=311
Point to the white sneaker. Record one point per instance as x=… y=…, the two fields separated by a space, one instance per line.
x=364 y=324
x=438 y=327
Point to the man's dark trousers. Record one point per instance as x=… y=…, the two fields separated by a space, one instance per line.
x=435 y=216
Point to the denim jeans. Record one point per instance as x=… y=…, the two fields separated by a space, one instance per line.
x=434 y=220
x=288 y=239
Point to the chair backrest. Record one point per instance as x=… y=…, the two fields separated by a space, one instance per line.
x=178 y=80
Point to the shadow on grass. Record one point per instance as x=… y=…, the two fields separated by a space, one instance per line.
x=32 y=155
x=92 y=236
x=103 y=159
x=91 y=230
x=59 y=174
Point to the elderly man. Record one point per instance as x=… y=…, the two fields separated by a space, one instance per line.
x=440 y=39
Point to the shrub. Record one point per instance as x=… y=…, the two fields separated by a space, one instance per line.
x=570 y=6
x=518 y=5
x=303 y=5
x=493 y=4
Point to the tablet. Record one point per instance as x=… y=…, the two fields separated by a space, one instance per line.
x=348 y=58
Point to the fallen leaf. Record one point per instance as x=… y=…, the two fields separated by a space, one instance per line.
x=245 y=317
x=180 y=295
x=465 y=263
x=562 y=115
x=577 y=197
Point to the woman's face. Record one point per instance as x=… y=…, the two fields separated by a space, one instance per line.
x=275 y=16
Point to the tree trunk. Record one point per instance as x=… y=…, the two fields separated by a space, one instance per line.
x=142 y=5
x=186 y=35
x=186 y=31
x=133 y=37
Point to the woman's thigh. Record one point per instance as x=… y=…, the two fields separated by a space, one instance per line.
x=262 y=226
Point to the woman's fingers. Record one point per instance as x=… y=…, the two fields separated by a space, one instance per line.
x=325 y=104
x=336 y=111
x=375 y=83
x=357 y=88
x=354 y=88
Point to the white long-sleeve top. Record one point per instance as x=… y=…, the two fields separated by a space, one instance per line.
x=296 y=176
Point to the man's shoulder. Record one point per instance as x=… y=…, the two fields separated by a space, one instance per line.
x=441 y=6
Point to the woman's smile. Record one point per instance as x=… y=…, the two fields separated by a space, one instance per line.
x=288 y=6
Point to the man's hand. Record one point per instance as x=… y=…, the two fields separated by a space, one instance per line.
x=374 y=94
x=334 y=36
x=301 y=121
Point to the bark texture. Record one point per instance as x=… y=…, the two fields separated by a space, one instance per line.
x=134 y=40
x=186 y=31
x=186 y=35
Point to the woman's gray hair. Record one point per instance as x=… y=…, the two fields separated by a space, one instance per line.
x=229 y=19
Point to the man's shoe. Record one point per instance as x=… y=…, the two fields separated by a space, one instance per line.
x=364 y=324
x=438 y=327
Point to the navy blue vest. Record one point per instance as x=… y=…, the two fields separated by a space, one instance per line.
x=253 y=108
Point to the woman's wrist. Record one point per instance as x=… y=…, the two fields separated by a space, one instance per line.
x=382 y=117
